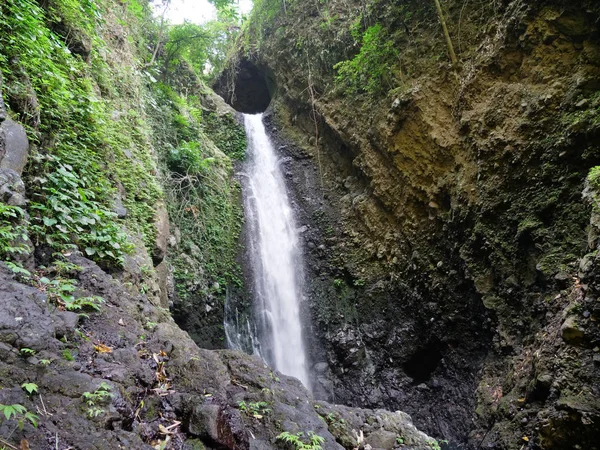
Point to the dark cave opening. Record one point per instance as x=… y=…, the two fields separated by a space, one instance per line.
x=423 y=362
x=247 y=87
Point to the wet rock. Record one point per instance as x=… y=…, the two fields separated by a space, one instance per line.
x=204 y=420
x=24 y=324
x=379 y=428
x=12 y=188
x=119 y=209
x=382 y=439
x=65 y=323
x=571 y=331
x=14 y=146
x=321 y=367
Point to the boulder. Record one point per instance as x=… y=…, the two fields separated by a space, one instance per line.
x=12 y=189
x=14 y=146
x=382 y=439
x=572 y=333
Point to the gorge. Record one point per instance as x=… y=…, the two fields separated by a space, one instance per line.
x=392 y=203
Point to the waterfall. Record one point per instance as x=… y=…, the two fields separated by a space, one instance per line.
x=275 y=257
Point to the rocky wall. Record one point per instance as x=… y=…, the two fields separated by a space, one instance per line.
x=443 y=221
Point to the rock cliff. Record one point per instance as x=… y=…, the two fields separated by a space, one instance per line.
x=450 y=246
x=119 y=223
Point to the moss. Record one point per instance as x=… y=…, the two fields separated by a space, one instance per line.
x=226 y=133
x=194 y=444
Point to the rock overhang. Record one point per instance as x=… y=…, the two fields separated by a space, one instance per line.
x=247 y=86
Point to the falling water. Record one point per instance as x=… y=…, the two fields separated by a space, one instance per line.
x=275 y=257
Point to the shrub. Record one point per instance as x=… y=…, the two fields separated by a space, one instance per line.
x=369 y=71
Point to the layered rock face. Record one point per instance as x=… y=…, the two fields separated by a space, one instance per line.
x=443 y=216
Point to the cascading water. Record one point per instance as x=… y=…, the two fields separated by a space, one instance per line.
x=275 y=257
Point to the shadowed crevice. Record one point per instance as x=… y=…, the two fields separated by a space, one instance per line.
x=247 y=87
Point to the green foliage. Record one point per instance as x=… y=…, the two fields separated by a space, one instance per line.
x=298 y=442
x=18 y=269
x=20 y=413
x=187 y=160
x=27 y=352
x=226 y=133
x=30 y=388
x=369 y=71
x=68 y=355
x=202 y=199
x=13 y=232
x=53 y=91
x=594 y=177
x=255 y=409
x=203 y=48
x=70 y=214
x=593 y=180
x=435 y=445
x=60 y=292
x=63 y=267
x=94 y=400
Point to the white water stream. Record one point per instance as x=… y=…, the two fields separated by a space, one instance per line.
x=275 y=257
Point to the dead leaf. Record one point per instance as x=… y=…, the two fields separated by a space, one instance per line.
x=24 y=445
x=101 y=348
x=121 y=322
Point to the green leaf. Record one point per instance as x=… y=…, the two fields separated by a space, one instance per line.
x=31 y=388
x=12 y=410
x=90 y=251
x=48 y=221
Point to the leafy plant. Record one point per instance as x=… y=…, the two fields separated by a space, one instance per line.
x=68 y=355
x=187 y=159
x=254 y=409
x=369 y=71
x=60 y=291
x=30 y=388
x=311 y=442
x=18 y=269
x=69 y=214
x=53 y=91
x=434 y=444
x=20 y=413
x=13 y=233
x=97 y=398
x=27 y=352
x=63 y=267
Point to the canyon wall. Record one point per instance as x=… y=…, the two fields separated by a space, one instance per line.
x=442 y=206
